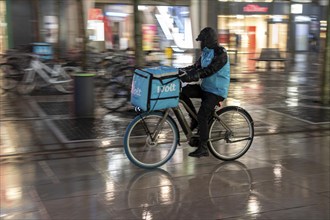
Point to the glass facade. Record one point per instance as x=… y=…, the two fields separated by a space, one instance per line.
x=244 y=25
x=162 y=26
x=249 y=33
x=290 y=26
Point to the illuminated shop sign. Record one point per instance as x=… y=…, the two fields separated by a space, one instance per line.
x=254 y=8
x=95 y=14
x=95 y=24
x=296 y=8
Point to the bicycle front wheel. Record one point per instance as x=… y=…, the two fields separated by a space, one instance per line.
x=231 y=133
x=142 y=147
x=114 y=96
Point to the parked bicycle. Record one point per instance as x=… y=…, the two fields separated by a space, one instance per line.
x=115 y=94
x=102 y=64
x=37 y=74
x=152 y=137
x=13 y=66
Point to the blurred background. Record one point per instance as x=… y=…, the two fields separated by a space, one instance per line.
x=61 y=135
x=243 y=25
x=138 y=33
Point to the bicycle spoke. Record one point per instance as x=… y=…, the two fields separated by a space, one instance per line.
x=235 y=136
x=147 y=152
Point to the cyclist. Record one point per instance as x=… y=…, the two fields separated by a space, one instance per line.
x=213 y=71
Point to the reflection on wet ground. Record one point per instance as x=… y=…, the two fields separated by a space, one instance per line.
x=56 y=166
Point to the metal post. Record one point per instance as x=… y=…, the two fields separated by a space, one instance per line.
x=58 y=13
x=82 y=31
x=325 y=88
x=8 y=21
x=139 y=58
x=36 y=19
x=291 y=30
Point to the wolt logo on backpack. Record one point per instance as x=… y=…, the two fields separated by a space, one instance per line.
x=135 y=91
x=166 y=88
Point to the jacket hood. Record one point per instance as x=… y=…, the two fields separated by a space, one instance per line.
x=208 y=37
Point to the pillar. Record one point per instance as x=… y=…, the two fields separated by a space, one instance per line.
x=325 y=87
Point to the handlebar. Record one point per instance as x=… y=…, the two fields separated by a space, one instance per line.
x=182 y=73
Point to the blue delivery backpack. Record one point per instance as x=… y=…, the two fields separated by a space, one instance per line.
x=155 y=88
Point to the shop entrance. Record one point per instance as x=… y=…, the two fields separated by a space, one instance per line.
x=251 y=33
x=301 y=41
x=245 y=33
x=277 y=32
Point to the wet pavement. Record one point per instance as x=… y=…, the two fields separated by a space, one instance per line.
x=57 y=166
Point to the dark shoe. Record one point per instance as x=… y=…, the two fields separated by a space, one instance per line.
x=194 y=141
x=200 y=152
x=193 y=124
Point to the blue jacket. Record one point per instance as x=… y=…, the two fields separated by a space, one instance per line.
x=214 y=68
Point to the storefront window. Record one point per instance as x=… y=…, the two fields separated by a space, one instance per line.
x=250 y=33
x=162 y=26
x=3 y=27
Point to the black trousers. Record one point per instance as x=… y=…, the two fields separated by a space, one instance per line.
x=209 y=101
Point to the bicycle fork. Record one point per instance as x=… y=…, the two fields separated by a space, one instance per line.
x=153 y=136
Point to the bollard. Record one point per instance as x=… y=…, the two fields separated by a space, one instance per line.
x=169 y=53
x=84 y=94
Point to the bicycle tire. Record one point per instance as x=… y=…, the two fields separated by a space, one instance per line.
x=226 y=145
x=139 y=148
x=124 y=75
x=114 y=96
x=10 y=75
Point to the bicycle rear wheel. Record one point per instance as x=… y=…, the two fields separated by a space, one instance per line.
x=9 y=76
x=141 y=149
x=232 y=137
x=114 y=96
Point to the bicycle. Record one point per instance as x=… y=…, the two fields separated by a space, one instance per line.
x=116 y=93
x=151 y=138
x=38 y=74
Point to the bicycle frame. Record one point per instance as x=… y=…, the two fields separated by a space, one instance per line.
x=183 y=121
x=45 y=72
x=156 y=145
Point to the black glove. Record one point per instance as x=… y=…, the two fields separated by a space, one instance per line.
x=191 y=76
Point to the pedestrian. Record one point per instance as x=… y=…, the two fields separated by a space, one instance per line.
x=213 y=70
